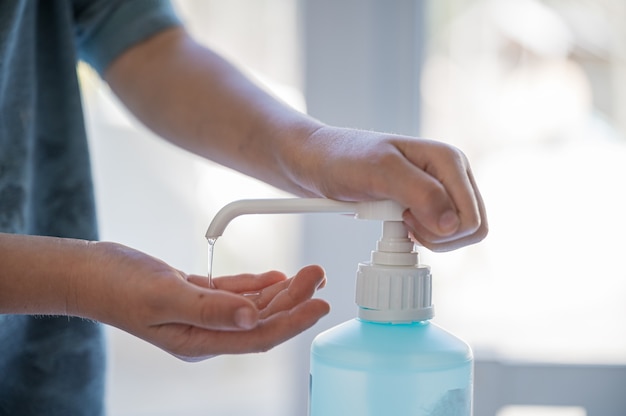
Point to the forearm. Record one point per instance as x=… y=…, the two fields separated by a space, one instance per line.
x=39 y=274
x=205 y=105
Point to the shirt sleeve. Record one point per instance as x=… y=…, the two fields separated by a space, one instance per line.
x=106 y=28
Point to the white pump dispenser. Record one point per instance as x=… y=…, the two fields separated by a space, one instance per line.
x=390 y=360
x=368 y=210
x=393 y=287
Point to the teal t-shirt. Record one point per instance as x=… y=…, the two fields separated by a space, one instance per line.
x=55 y=365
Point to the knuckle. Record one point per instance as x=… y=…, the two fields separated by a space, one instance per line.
x=454 y=156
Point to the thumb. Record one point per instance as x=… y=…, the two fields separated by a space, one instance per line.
x=214 y=309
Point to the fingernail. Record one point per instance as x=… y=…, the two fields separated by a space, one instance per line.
x=449 y=222
x=245 y=318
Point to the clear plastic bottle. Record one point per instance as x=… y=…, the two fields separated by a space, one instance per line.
x=391 y=360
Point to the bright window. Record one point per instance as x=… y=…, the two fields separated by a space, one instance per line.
x=533 y=92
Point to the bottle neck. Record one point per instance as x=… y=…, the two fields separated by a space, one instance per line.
x=420 y=323
x=403 y=316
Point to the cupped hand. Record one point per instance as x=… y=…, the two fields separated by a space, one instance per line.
x=433 y=179
x=183 y=316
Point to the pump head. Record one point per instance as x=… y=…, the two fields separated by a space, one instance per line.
x=392 y=287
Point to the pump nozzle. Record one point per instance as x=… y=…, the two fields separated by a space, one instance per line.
x=373 y=210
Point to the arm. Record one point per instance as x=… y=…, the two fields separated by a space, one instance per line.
x=194 y=98
x=200 y=102
x=144 y=296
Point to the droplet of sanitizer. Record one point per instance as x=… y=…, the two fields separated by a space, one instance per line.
x=211 y=242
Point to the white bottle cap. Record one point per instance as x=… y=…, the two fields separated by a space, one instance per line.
x=393 y=287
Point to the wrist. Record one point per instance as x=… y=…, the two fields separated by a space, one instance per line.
x=93 y=282
x=38 y=273
x=301 y=160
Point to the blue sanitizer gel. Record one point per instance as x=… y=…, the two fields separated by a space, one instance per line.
x=376 y=369
x=391 y=360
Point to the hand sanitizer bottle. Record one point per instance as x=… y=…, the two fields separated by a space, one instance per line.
x=391 y=360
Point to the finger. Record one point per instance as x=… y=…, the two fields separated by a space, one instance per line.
x=457 y=181
x=206 y=308
x=287 y=324
x=322 y=284
x=202 y=281
x=300 y=288
x=479 y=234
x=271 y=331
x=483 y=229
x=473 y=227
x=422 y=191
x=241 y=283
x=449 y=168
x=269 y=293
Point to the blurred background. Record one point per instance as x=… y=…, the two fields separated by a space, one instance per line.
x=534 y=92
